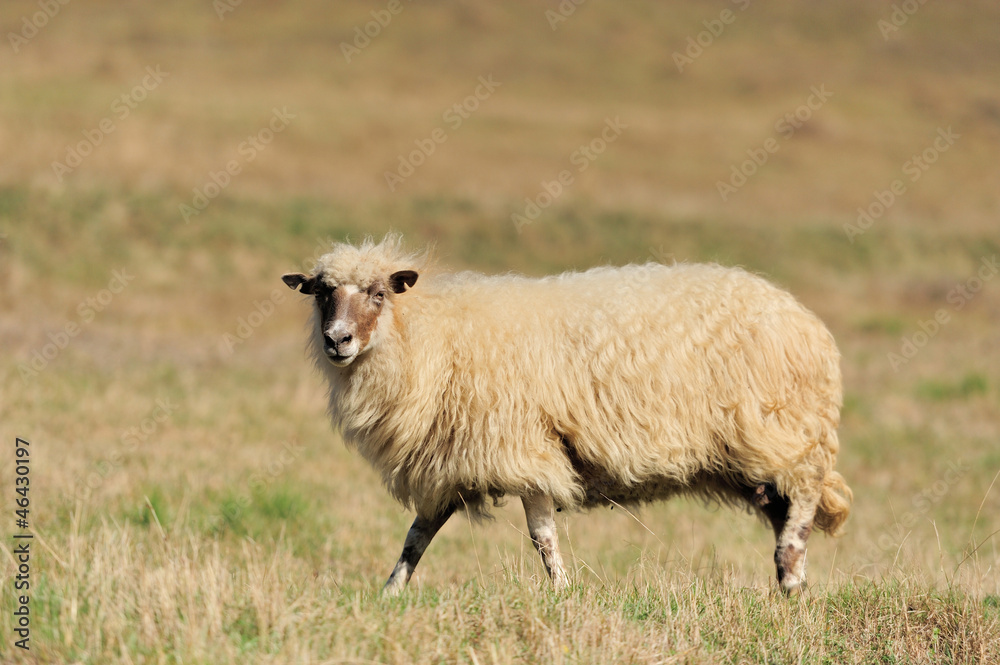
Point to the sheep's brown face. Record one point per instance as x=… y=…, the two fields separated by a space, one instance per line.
x=348 y=313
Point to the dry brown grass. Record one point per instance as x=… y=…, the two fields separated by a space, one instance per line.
x=240 y=530
x=128 y=596
x=354 y=119
x=245 y=476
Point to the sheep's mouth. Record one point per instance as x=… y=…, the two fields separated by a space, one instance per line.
x=339 y=360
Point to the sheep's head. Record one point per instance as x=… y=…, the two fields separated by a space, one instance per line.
x=348 y=312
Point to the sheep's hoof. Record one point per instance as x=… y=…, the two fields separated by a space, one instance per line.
x=393 y=587
x=793 y=589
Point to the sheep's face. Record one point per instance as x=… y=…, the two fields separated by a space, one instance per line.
x=349 y=313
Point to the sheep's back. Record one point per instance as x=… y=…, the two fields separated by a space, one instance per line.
x=637 y=373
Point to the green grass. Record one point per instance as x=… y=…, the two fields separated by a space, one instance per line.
x=262 y=510
x=239 y=529
x=970 y=385
x=277 y=608
x=576 y=235
x=245 y=475
x=153 y=508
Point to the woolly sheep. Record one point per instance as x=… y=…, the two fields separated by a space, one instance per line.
x=613 y=386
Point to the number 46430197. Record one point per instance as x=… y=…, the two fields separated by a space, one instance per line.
x=23 y=457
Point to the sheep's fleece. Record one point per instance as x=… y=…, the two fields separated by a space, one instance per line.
x=613 y=386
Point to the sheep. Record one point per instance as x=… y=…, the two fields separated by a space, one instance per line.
x=613 y=386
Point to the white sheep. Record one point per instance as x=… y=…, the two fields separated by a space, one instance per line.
x=610 y=386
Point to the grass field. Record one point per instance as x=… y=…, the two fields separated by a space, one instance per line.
x=189 y=501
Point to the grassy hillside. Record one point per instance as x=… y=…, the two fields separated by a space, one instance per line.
x=189 y=500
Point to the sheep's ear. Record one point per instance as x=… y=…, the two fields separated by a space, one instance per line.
x=296 y=279
x=399 y=281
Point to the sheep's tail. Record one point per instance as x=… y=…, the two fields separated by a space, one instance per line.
x=834 y=504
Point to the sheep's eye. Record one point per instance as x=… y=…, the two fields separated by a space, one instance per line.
x=380 y=296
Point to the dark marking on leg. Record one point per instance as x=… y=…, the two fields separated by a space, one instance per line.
x=777 y=514
x=790 y=552
x=787 y=559
x=792 y=523
x=419 y=536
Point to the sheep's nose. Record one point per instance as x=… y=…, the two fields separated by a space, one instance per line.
x=335 y=342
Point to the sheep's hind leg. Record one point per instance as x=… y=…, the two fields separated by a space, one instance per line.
x=792 y=523
x=421 y=533
x=538 y=509
x=790 y=552
x=773 y=505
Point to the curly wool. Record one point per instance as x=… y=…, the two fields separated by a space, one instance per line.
x=614 y=385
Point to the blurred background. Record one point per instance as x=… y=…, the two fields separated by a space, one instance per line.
x=163 y=163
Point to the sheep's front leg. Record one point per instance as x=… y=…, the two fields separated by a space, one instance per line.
x=417 y=539
x=538 y=509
